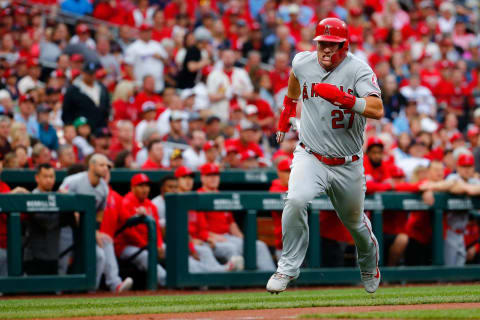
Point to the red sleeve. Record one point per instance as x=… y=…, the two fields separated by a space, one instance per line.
x=202 y=226
x=407 y=187
x=373 y=186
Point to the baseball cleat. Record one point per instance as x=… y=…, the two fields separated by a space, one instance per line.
x=278 y=282
x=370 y=280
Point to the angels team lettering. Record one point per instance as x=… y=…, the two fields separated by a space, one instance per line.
x=310 y=93
x=338 y=115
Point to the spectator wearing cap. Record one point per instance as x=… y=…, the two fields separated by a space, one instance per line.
x=472 y=134
x=124 y=139
x=248 y=160
x=247 y=140
x=46 y=132
x=280 y=185
x=32 y=79
x=83 y=36
x=228 y=85
x=211 y=152
x=5 y=146
x=176 y=159
x=81 y=139
x=176 y=106
x=231 y=159
x=457 y=140
x=132 y=240
x=225 y=235
x=195 y=57
x=102 y=138
x=88 y=98
x=148 y=115
x=26 y=114
x=155 y=156
x=194 y=156
x=146 y=56
x=176 y=134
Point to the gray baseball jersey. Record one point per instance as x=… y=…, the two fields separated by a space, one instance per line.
x=79 y=183
x=326 y=128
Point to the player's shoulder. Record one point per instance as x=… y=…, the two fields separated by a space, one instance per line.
x=358 y=64
x=304 y=57
x=76 y=177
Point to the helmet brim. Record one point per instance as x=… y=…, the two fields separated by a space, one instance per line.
x=329 y=38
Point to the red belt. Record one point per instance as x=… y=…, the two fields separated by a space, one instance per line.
x=329 y=161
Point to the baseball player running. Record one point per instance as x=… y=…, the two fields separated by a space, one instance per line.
x=338 y=92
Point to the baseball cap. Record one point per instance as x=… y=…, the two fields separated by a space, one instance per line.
x=396 y=172
x=81 y=28
x=183 y=171
x=102 y=132
x=473 y=131
x=148 y=106
x=245 y=155
x=31 y=63
x=209 y=169
x=208 y=145
x=212 y=119
x=231 y=148
x=176 y=115
x=145 y=27
x=374 y=141
x=251 y=109
x=456 y=136
x=80 y=121
x=74 y=73
x=76 y=57
x=139 y=178
x=284 y=165
x=26 y=97
x=58 y=74
x=101 y=73
x=90 y=67
x=247 y=125
x=465 y=160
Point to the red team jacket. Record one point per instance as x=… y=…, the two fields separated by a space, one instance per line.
x=277 y=215
x=111 y=213
x=136 y=236
x=4 y=188
x=197 y=225
x=218 y=221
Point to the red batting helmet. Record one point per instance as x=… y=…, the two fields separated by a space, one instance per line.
x=333 y=30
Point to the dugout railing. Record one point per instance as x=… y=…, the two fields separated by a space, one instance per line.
x=82 y=275
x=250 y=203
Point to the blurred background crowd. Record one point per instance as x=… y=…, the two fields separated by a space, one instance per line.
x=179 y=84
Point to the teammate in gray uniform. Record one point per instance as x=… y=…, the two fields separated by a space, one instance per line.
x=91 y=183
x=339 y=92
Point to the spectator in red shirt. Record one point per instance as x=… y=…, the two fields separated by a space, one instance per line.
x=224 y=231
x=124 y=139
x=280 y=185
x=148 y=94
x=155 y=156
x=133 y=239
x=247 y=140
x=281 y=72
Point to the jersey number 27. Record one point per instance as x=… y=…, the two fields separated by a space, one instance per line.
x=339 y=115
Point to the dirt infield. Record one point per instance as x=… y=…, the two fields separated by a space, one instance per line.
x=275 y=314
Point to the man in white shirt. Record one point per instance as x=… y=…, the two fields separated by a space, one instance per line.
x=194 y=156
x=228 y=84
x=426 y=103
x=147 y=58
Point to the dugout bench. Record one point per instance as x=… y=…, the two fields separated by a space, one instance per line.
x=251 y=202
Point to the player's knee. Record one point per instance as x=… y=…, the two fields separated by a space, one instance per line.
x=297 y=202
x=101 y=259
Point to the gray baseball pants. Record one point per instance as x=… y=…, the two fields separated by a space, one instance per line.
x=234 y=247
x=345 y=186
x=3 y=263
x=207 y=262
x=141 y=261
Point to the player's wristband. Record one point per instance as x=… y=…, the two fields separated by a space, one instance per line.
x=289 y=110
x=360 y=105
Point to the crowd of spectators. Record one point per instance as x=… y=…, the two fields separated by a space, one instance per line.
x=181 y=84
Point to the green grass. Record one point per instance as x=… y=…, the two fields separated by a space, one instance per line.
x=84 y=306
x=446 y=314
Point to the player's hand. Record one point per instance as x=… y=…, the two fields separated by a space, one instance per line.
x=102 y=238
x=293 y=122
x=280 y=136
x=141 y=211
x=334 y=95
x=471 y=252
x=428 y=198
